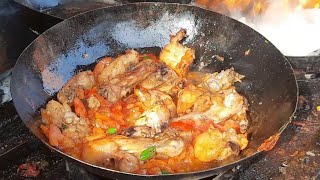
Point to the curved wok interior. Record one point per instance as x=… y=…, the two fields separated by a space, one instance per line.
x=72 y=45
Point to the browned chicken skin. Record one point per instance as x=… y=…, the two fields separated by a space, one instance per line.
x=123 y=84
x=164 y=79
x=120 y=65
x=82 y=81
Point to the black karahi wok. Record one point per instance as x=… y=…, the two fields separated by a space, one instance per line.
x=76 y=43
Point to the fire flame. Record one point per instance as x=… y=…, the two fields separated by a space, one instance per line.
x=254 y=7
x=309 y=4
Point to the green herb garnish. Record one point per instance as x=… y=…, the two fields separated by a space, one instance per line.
x=148 y=153
x=111 y=130
x=146 y=57
x=165 y=172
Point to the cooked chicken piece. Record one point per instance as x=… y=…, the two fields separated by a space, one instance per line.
x=149 y=98
x=187 y=97
x=128 y=163
x=204 y=101
x=210 y=92
x=118 y=148
x=177 y=56
x=132 y=145
x=159 y=109
x=93 y=102
x=75 y=127
x=164 y=79
x=70 y=126
x=232 y=137
x=120 y=65
x=169 y=147
x=195 y=77
x=216 y=145
x=157 y=117
x=150 y=122
x=82 y=81
x=220 y=110
x=222 y=80
x=209 y=145
x=139 y=131
x=101 y=65
x=54 y=113
x=100 y=152
x=235 y=143
x=241 y=118
x=173 y=133
x=172 y=86
x=121 y=85
x=58 y=139
x=196 y=99
x=159 y=77
x=121 y=148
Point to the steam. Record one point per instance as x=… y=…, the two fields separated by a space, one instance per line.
x=292 y=29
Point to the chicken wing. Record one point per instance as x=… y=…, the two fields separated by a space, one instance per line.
x=120 y=65
x=120 y=85
x=222 y=80
x=177 y=56
x=126 y=151
x=221 y=109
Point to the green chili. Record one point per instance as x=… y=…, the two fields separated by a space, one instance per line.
x=148 y=153
x=111 y=130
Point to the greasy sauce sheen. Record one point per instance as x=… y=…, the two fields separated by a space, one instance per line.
x=145 y=114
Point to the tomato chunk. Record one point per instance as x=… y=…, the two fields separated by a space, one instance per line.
x=185 y=126
x=79 y=108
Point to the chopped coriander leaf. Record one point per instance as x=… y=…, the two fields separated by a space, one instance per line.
x=111 y=130
x=146 y=57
